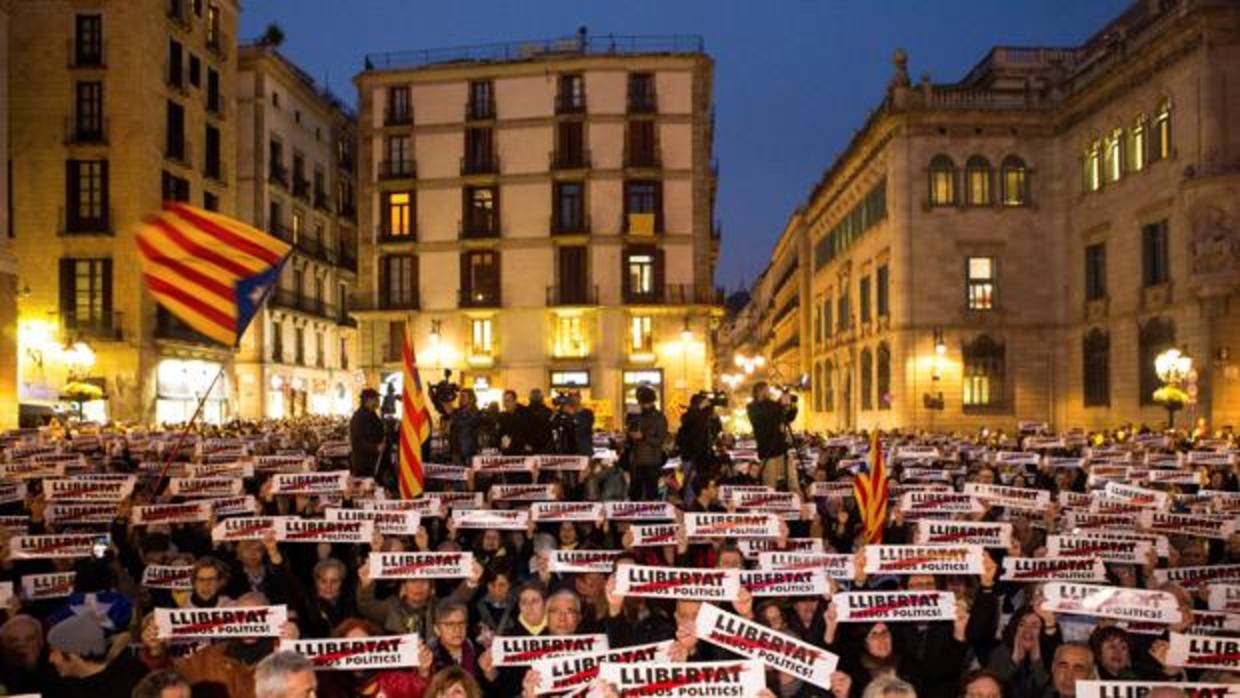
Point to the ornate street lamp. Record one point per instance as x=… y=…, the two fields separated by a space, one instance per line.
x=1172 y=368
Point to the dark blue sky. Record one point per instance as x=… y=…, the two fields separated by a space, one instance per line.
x=793 y=78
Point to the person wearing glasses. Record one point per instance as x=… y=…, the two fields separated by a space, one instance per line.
x=208 y=577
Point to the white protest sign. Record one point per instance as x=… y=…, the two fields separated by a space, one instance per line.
x=811 y=582
x=357 y=653
x=984 y=533
x=774 y=649
x=823 y=490
x=1138 y=496
x=253 y=621
x=76 y=513
x=767 y=501
x=389 y=523
x=523 y=493
x=1141 y=689
x=576 y=671
x=566 y=511
x=213 y=470
x=677 y=583
x=1204 y=652
x=835 y=565
x=938 y=502
x=1010 y=497
x=291 y=529
x=580 y=561
x=1193 y=577
x=750 y=525
x=647 y=535
x=912 y=559
x=1188 y=524
x=1225 y=597
x=751 y=548
x=197 y=511
x=330 y=482
x=639 y=511
x=562 y=463
x=172 y=577
x=895 y=606
x=439 y=471
x=488 y=465
x=425 y=507
x=421 y=565
x=206 y=487
x=735 y=679
x=246 y=528
x=12 y=492
x=234 y=506
x=68 y=545
x=1053 y=569
x=1077 y=519
x=88 y=490
x=520 y=650
x=1214 y=623
x=1111 y=602
x=728 y=493
x=1160 y=543
x=38 y=587
x=507 y=520
x=1131 y=552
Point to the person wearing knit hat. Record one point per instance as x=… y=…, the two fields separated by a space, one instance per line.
x=79 y=653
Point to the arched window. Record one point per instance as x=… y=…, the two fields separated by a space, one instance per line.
x=1113 y=156
x=1137 y=143
x=828 y=389
x=1015 y=182
x=942 y=181
x=984 y=372
x=1092 y=161
x=1161 y=147
x=883 y=377
x=977 y=181
x=1096 y=358
x=1156 y=336
x=867 y=379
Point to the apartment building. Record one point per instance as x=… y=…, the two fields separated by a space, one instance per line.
x=543 y=213
x=8 y=263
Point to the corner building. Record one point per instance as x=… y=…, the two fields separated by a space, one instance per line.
x=1021 y=244
x=543 y=213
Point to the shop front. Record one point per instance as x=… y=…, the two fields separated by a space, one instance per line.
x=181 y=383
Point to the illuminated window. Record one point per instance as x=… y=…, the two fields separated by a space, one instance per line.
x=1014 y=179
x=570 y=336
x=977 y=175
x=981 y=283
x=640 y=336
x=1136 y=145
x=942 y=181
x=1092 y=173
x=983 y=373
x=1162 y=132
x=480 y=336
x=1114 y=156
x=398 y=214
x=641 y=274
x=297 y=221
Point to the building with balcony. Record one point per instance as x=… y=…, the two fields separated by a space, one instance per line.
x=296 y=148
x=543 y=213
x=1021 y=244
x=120 y=106
x=8 y=263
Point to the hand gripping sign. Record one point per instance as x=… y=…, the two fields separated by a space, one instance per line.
x=421 y=565
x=734 y=679
x=1112 y=602
x=521 y=650
x=577 y=671
x=751 y=525
x=1141 y=689
x=1204 y=652
x=357 y=653
x=1130 y=552
x=252 y=621
x=1053 y=569
x=911 y=559
x=895 y=606
x=774 y=649
x=677 y=583
x=984 y=533
x=69 y=545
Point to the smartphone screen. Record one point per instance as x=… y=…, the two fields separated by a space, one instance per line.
x=101 y=546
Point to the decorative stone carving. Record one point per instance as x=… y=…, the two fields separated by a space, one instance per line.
x=1215 y=243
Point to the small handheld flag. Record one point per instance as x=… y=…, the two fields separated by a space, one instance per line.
x=415 y=422
x=871 y=492
x=210 y=271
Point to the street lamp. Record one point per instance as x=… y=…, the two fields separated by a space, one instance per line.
x=749 y=364
x=1172 y=368
x=934 y=401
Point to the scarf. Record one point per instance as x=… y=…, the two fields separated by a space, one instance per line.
x=533 y=629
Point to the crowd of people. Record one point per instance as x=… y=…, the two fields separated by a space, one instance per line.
x=104 y=633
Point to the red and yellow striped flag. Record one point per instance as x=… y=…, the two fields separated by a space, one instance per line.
x=415 y=422
x=871 y=492
x=209 y=270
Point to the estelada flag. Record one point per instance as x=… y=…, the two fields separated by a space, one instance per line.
x=210 y=271
x=415 y=421
x=870 y=489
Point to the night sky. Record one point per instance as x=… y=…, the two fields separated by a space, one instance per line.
x=793 y=78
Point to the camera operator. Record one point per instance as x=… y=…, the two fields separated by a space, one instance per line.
x=538 y=424
x=564 y=425
x=511 y=426
x=366 y=435
x=699 y=427
x=464 y=421
x=770 y=419
x=646 y=433
x=583 y=417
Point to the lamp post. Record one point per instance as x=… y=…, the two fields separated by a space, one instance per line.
x=1172 y=367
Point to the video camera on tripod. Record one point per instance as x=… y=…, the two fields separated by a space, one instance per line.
x=444 y=392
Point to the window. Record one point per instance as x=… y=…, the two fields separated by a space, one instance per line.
x=211 y=164
x=1155 y=266
x=174 y=188
x=1096 y=271
x=296 y=222
x=275 y=162
x=1154 y=337
x=642 y=206
x=88 y=40
x=299 y=346
x=88 y=121
x=861 y=218
x=570 y=145
x=301 y=187
x=481 y=101
x=399 y=162
x=86 y=293
x=397 y=214
x=210 y=201
x=817 y=322
x=396 y=340
x=480 y=211
x=864 y=294
x=641 y=149
x=399 y=281
x=1136 y=144
x=398 y=111
x=842 y=312
x=882 y=373
x=977 y=178
x=984 y=373
x=1014 y=176
x=570 y=337
x=275 y=219
x=299 y=281
x=641 y=336
x=479 y=151
x=867 y=379
x=828 y=388
x=277 y=342
x=212 y=25
x=641 y=92
x=174 y=146
x=480 y=279
x=826 y=317
x=883 y=279
x=195 y=70
x=640 y=274
x=942 y=181
x=86 y=203
x=572 y=94
x=344 y=353
x=1096 y=370
x=320 y=352
x=569 y=208
x=1113 y=156
x=1092 y=161
x=573 y=268
x=981 y=283
x=176 y=65
x=1162 y=132
x=480 y=336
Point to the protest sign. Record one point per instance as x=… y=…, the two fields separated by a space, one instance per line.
x=246 y=528
x=810 y=582
x=566 y=511
x=1111 y=602
x=450 y=473
x=490 y=465
x=88 y=490
x=1225 y=597
x=507 y=520
x=207 y=487
x=822 y=490
x=291 y=529
x=894 y=606
x=1139 y=496
x=576 y=671
x=1081 y=520
x=523 y=493
x=639 y=511
x=1160 y=543
x=774 y=649
x=253 y=621
x=751 y=548
x=357 y=653
x=515 y=650
x=1131 y=552
x=68 y=545
x=330 y=482
x=937 y=502
x=234 y=506
x=1053 y=569
x=1188 y=524
x=579 y=561
x=55 y=585
x=1194 y=577
x=79 y=513
x=1204 y=652
x=984 y=533
x=1213 y=623
x=29 y=470
x=421 y=565
x=425 y=507
x=389 y=523
x=767 y=501
x=911 y=559
x=171 y=577
x=562 y=463
x=735 y=679
x=12 y=492
x=226 y=470
x=835 y=565
x=750 y=525
x=677 y=583
x=197 y=511
x=646 y=535
x=1141 y=689
x=1010 y=497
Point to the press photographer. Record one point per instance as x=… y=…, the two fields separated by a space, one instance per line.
x=646 y=432
x=770 y=419
x=699 y=429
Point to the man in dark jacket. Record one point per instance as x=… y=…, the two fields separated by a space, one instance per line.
x=365 y=435
x=512 y=426
x=647 y=433
x=770 y=419
x=79 y=653
x=538 y=424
